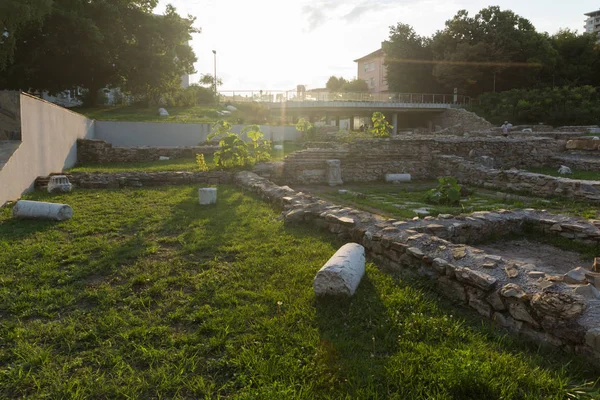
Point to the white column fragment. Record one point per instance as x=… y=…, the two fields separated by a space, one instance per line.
x=334 y=172
x=342 y=273
x=42 y=210
x=397 y=177
x=207 y=196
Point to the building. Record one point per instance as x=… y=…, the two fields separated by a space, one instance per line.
x=372 y=70
x=592 y=23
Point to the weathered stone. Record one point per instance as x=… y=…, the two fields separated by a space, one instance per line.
x=559 y=305
x=514 y=291
x=588 y=291
x=520 y=312
x=489 y=265
x=440 y=265
x=536 y=274
x=495 y=300
x=342 y=273
x=451 y=289
x=42 y=210
x=459 y=252
x=334 y=172
x=475 y=278
x=576 y=276
x=480 y=306
x=592 y=339
x=415 y=252
x=511 y=271
x=507 y=322
x=207 y=196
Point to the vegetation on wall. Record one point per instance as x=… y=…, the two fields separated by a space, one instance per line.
x=558 y=106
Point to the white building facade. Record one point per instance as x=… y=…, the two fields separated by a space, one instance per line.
x=592 y=23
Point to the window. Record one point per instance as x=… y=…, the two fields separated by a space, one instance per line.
x=372 y=84
x=372 y=66
x=366 y=67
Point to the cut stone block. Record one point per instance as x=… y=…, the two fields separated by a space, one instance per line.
x=278 y=147
x=163 y=158
x=59 y=184
x=342 y=273
x=576 y=276
x=397 y=177
x=334 y=172
x=207 y=196
x=42 y=210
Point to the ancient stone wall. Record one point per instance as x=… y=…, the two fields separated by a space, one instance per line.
x=139 y=179
x=517 y=180
x=99 y=151
x=539 y=306
x=367 y=160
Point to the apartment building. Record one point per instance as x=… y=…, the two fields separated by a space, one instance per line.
x=592 y=23
x=372 y=70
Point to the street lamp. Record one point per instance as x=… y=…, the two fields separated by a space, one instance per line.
x=215 y=55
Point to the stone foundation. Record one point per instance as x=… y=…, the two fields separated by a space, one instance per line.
x=139 y=179
x=101 y=152
x=517 y=180
x=543 y=309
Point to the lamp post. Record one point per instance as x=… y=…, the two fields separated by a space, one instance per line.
x=215 y=56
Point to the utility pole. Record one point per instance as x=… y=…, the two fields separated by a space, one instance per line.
x=216 y=94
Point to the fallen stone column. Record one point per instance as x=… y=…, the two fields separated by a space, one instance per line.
x=397 y=177
x=42 y=210
x=342 y=273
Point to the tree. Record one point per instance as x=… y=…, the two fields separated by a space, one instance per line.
x=493 y=46
x=409 y=61
x=578 y=59
x=16 y=15
x=355 y=85
x=381 y=128
x=102 y=43
x=335 y=84
x=208 y=80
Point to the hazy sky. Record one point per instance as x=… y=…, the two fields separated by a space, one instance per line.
x=278 y=44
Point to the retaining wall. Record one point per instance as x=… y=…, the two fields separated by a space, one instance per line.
x=48 y=144
x=99 y=151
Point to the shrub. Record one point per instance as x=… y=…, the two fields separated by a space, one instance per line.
x=201 y=162
x=446 y=193
x=259 y=149
x=381 y=128
x=234 y=152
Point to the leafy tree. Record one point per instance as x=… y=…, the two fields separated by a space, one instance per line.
x=578 y=59
x=95 y=44
x=381 y=128
x=259 y=149
x=409 y=61
x=355 y=85
x=335 y=84
x=15 y=16
x=208 y=80
x=494 y=45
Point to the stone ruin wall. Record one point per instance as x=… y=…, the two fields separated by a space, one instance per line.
x=101 y=152
x=541 y=308
x=368 y=160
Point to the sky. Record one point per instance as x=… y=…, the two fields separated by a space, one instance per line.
x=278 y=44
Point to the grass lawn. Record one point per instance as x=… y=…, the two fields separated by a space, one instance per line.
x=200 y=114
x=400 y=201
x=587 y=175
x=144 y=294
x=171 y=165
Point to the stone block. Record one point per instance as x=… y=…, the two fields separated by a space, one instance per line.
x=451 y=289
x=207 y=196
x=558 y=305
x=475 y=278
x=397 y=178
x=342 y=273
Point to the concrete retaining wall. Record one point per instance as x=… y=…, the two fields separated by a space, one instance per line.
x=159 y=134
x=49 y=144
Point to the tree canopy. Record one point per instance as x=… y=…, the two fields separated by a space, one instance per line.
x=104 y=43
x=335 y=84
x=493 y=50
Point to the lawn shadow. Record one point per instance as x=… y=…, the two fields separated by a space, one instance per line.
x=357 y=336
x=18 y=229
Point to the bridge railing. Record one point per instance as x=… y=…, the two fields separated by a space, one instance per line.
x=282 y=96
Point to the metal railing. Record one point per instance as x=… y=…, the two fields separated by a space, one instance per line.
x=283 y=96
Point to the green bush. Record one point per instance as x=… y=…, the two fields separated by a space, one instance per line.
x=446 y=193
x=558 y=106
x=201 y=162
x=234 y=152
x=381 y=128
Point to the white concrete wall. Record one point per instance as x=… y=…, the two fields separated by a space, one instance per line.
x=138 y=134
x=49 y=144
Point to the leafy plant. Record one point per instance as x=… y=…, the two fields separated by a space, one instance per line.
x=381 y=128
x=259 y=149
x=447 y=192
x=233 y=151
x=306 y=128
x=201 y=162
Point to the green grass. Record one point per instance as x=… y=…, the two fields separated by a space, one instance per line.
x=400 y=201
x=200 y=114
x=188 y=164
x=586 y=175
x=145 y=294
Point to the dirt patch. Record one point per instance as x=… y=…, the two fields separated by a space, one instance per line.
x=546 y=258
